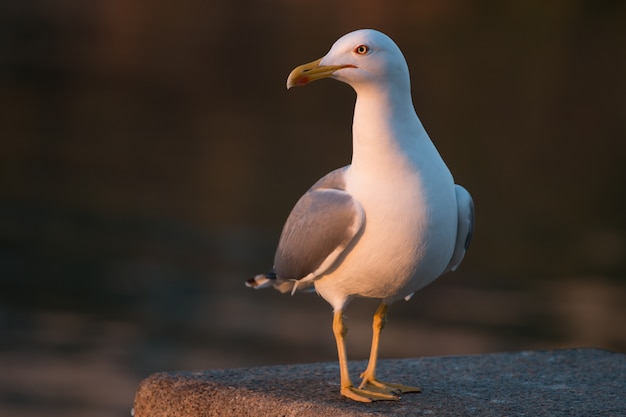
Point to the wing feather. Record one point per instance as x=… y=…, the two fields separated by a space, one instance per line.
x=320 y=227
x=465 y=226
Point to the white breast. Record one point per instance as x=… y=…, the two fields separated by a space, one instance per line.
x=410 y=226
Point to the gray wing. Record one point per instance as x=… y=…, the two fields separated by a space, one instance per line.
x=465 y=226
x=320 y=227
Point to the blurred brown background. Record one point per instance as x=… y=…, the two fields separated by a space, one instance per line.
x=150 y=154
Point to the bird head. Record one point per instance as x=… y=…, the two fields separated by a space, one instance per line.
x=361 y=58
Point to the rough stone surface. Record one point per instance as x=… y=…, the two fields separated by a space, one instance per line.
x=574 y=382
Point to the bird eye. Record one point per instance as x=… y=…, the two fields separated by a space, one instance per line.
x=362 y=49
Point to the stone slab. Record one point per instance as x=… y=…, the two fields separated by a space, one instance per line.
x=572 y=382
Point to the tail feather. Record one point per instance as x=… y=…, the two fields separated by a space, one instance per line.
x=271 y=280
x=262 y=280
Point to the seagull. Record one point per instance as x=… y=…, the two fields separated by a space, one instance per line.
x=384 y=226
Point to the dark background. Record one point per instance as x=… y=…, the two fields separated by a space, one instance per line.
x=150 y=154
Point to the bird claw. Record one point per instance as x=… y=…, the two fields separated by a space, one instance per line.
x=366 y=395
x=372 y=384
x=372 y=389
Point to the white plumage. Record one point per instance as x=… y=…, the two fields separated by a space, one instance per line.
x=384 y=226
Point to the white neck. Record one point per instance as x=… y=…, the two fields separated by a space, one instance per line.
x=384 y=126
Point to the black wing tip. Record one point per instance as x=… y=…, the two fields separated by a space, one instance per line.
x=262 y=280
x=472 y=219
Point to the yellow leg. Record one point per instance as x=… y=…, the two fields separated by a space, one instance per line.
x=369 y=381
x=347 y=389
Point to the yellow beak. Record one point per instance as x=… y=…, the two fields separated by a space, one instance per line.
x=312 y=71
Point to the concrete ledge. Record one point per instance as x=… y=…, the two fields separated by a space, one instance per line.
x=575 y=382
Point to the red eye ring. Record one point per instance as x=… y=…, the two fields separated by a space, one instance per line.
x=361 y=50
